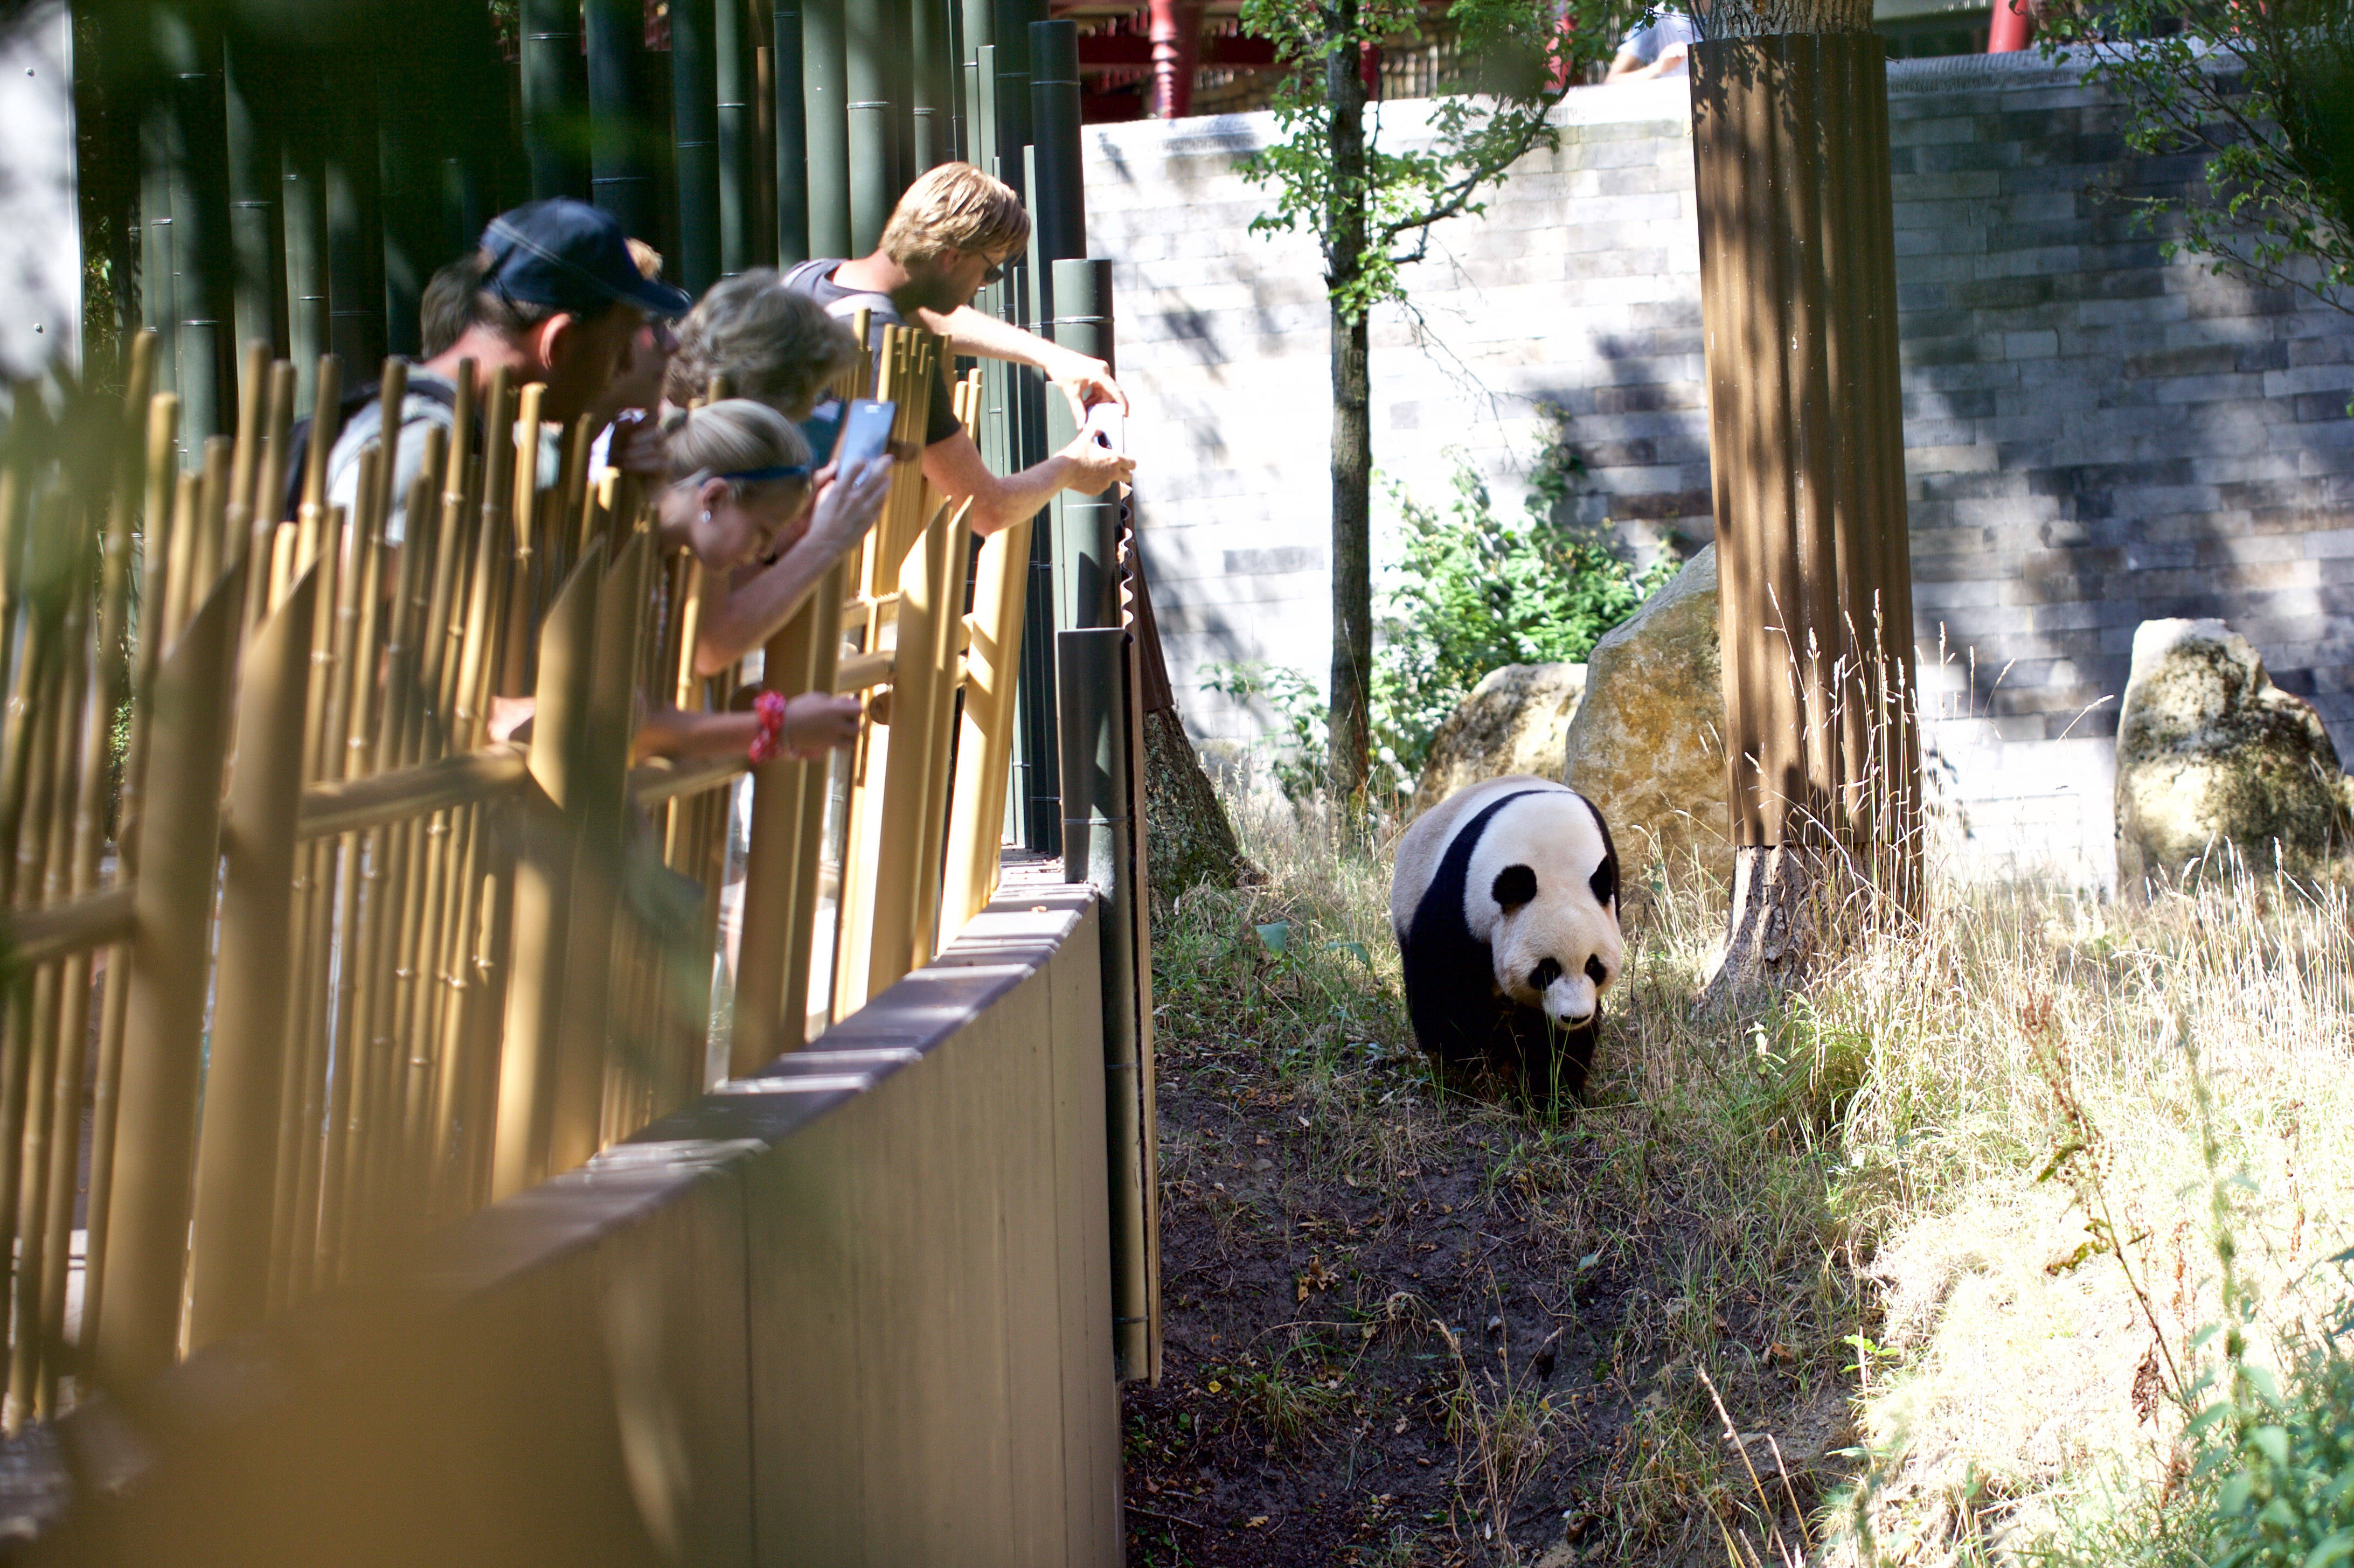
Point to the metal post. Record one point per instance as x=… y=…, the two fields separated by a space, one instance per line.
x=1086 y=544
x=1099 y=825
x=826 y=91
x=870 y=47
x=788 y=73
x=694 y=68
x=555 y=99
x=977 y=38
x=1058 y=206
x=619 y=181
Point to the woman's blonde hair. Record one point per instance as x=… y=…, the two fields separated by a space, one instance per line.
x=955 y=206
x=770 y=343
x=734 y=435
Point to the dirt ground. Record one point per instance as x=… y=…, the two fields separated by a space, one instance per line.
x=1406 y=1328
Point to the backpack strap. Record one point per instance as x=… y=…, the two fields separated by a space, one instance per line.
x=298 y=442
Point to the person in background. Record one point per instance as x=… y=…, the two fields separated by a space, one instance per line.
x=1659 y=45
x=955 y=231
x=628 y=417
x=551 y=294
x=777 y=349
x=739 y=492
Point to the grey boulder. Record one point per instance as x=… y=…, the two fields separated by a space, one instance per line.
x=1514 y=721
x=1646 y=745
x=2211 y=755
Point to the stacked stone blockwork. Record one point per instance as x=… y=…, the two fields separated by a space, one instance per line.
x=2095 y=436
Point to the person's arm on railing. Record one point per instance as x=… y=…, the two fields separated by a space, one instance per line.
x=1084 y=381
x=815 y=723
x=953 y=464
x=744 y=614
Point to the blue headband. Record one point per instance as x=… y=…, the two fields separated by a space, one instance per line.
x=764 y=475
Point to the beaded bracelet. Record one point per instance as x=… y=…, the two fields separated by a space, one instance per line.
x=769 y=709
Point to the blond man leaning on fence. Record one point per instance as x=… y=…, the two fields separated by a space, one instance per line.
x=955 y=231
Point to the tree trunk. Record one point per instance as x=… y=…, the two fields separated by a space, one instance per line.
x=1352 y=455
x=1189 y=837
x=1772 y=933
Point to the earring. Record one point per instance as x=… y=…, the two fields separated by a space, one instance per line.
x=707 y=517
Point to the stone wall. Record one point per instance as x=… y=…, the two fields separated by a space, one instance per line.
x=2096 y=436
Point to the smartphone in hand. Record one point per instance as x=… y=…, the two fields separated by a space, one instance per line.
x=865 y=433
x=1107 y=427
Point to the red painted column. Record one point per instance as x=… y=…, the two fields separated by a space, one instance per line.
x=1176 y=50
x=2014 y=24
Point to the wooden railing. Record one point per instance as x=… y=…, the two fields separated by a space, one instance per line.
x=327 y=965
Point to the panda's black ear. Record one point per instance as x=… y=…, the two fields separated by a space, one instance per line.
x=1515 y=886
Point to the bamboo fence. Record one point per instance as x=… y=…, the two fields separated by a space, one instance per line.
x=299 y=959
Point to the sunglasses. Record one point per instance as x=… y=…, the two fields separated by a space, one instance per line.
x=996 y=273
x=767 y=475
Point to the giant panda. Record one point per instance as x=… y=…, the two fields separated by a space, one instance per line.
x=1505 y=904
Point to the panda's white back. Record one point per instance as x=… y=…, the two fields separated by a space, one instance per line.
x=1424 y=844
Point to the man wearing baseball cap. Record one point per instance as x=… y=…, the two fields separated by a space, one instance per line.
x=552 y=294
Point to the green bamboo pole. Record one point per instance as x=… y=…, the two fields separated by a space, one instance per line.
x=934 y=64
x=303 y=178
x=788 y=79
x=555 y=99
x=695 y=135
x=620 y=180
x=737 y=129
x=871 y=41
x=825 y=87
x=355 y=329
x=204 y=264
x=253 y=191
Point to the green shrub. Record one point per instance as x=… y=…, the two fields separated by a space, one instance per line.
x=2279 y=1452
x=1471 y=591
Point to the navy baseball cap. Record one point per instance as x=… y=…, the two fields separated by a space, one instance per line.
x=569 y=256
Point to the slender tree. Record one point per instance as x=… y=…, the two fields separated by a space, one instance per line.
x=1370 y=208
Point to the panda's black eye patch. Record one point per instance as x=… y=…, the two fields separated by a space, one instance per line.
x=1515 y=886
x=1596 y=972
x=1544 y=974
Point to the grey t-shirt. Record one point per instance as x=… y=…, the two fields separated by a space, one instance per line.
x=419 y=412
x=1650 y=40
x=815 y=279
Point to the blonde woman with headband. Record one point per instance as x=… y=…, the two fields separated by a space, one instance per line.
x=739 y=497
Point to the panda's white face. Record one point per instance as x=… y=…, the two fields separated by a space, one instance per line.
x=1555 y=949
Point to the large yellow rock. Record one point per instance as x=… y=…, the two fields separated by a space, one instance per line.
x=1647 y=744
x=2213 y=757
x=1515 y=721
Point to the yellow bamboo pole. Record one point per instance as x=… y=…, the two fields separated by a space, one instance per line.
x=352 y=995
x=543 y=883
x=45 y=844
x=985 y=749
x=178 y=833
x=238 y=1148
x=127 y=681
x=588 y=991
x=302 y=962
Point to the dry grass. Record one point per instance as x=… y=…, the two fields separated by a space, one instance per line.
x=1941 y=1225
